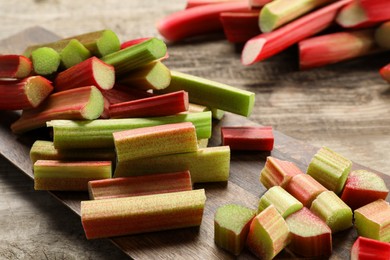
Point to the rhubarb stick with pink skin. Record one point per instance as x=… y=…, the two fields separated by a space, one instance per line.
x=14 y=66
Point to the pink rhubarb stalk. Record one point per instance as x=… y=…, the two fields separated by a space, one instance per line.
x=385 y=72
x=240 y=26
x=277 y=172
x=132 y=42
x=251 y=138
x=14 y=66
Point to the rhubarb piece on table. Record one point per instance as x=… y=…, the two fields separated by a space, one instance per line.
x=373 y=220
x=310 y=235
x=120 y=93
x=304 y=188
x=370 y=249
x=382 y=35
x=212 y=94
x=98 y=133
x=250 y=138
x=61 y=175
x=14 y=66
x=277 y=172
x=89 y=72
x=45 y=61
x=268 y=234
x=79 y=103
x=155 y=140
x=268 y=44
x=211 y=164
x=330 y=169
x=385 y=72
x=240 y=26
x=363 y=187
x=140 y=214
x=24 y=94
x=231 y=227
x=284 y=202
x=331 y=209
x=139 y=185
x=74 y=53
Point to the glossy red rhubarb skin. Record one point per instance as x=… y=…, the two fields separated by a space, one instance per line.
x=159 y=105
x=250 y=138
x=370 y=249
x=268 y=44
x=385 y=72
x=240 y=26
x=278 y=173
x=14 y=66
x=121 y=93
x=197 y=20
x=304 y=188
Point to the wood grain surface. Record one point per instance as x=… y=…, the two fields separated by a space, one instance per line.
x=344 y=106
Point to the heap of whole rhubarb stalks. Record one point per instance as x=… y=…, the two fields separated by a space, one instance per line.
x=326 y=31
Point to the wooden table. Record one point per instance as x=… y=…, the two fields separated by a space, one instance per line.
x=345 y=107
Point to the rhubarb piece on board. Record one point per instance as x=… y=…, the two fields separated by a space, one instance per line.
x=330 y=169
x=249 y=138
x=284 y=202
x=304 y=188
x=240 y=26
x=373 y=220
x=277 y=172
x=370 y=249
x=46 y=61
x=385 y=72
x=363 y=187
x=382 y=35
x=79 y=103
x=231 y=227
x=139 y=185
x=73 y=53
x=89 y=72
x=61 y=175
x=310 y=235
x=268 y=234
x=24 y=94
x=14 y=66
x=140 y=214
x=331 y=209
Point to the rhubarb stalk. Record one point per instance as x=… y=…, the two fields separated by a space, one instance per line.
x=250 y=138
x=370 y=249
x=240 y=26
x=195 y=3
x=277 y=172
x=385 y=72
x=382 y=35
x=14 y=66
x=45 y=61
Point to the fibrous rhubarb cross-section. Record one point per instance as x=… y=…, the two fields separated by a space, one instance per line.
x=277 y=172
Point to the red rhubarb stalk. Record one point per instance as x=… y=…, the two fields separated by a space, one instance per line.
x=240 y=26
x=255 y=138
x=195 y=3
x=120 y=93
x=14 y=66
x=268 y=44
x=370 y=249
x=197 y=20
x=385 y=72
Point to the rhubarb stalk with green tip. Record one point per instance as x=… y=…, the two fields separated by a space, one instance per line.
x=73 y=53
x=277 y=172
x=46 y=61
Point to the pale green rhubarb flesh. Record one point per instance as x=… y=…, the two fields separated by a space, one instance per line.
x=67 y=175
x=80 y=103
x=140 y=214
x=231 y=227
x=14 y=66
x=45 y=60
x=139 y=185
x=73 y=53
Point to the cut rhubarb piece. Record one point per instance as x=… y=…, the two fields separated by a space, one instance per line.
x=231 y=227
x=284 y=202
x=217 y=113
x=212 y=94
x=310 y=235
x=79 y=103
x=133 y=42
x=89 y=72
x=336 y=47
x=385 y=72
x=24 y=94
x=258 y=3
x=73 y=53
x=370 y=249
x=98 y=133
x=331 y=209
x=45 y=61
x=197 y=20
x=373 y=220
x=277 y=172
x=159 y=105
x=134 y=215
x=304 y=188
x=195 y=3
x=330 y=169
x=382 y=35
x=136 y=56
x=363 y=187
x=240 y=27
x=249 y=138
x=61 y=175
x=139 y=185
x=120 y=93
x=268 y=234
x=14 y=66
x=203 y=143
x=268 y=44
x=211 y=164
x=155 y=141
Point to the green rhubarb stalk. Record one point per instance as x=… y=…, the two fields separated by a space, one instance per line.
x=212 y=94
x=74 y=53
x=45 y=61
x=134 y=215
x=98 y=133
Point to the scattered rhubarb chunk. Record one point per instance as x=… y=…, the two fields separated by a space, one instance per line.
x=231 y=227
x=14 y=66
x=240 y=26
x=74 y=53
x=382 y=35
x=140 y=214
x=250 y=138
x=45 y=61
x=373 y=220
x=370 y=249
x=385 y=72
x=277 y=172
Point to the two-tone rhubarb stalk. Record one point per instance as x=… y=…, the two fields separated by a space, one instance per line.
x=250 y=138
x=14 y=66
x=385 y=72
x=370 y=249
x=277 y=172
x=240 y=26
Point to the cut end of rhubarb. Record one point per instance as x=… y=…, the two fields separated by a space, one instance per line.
x=108 y=43
x=267 y=20
x=252 y=51
x=25 y=67
x=351 y=15
x=45 y=60
x=104 y=74
x=94 y=108
x=159 y=76
x=37 y=89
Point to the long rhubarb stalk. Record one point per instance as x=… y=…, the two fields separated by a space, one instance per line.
x=268 y=44
x=258 y=3
x=385 y=72
x=14 y=66
x=367 y=248
x=120 y=93
x=250 y=138
x=240 y=26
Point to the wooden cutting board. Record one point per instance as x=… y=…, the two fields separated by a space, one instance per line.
x=243 y=186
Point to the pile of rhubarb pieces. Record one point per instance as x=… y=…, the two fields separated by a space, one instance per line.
x=326 y=31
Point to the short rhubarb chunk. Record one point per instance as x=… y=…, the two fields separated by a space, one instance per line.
x=382 y=35
x=373 y=220
x=268 y=234
x=231 y=227
x=46 y=61
x=310 y=235
x=249 y=138
x=140 y=214
x=385 y=72
x=304 y=188
x=14 y=66
x=61 y=175
x=74 y=53
x=370 y=249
